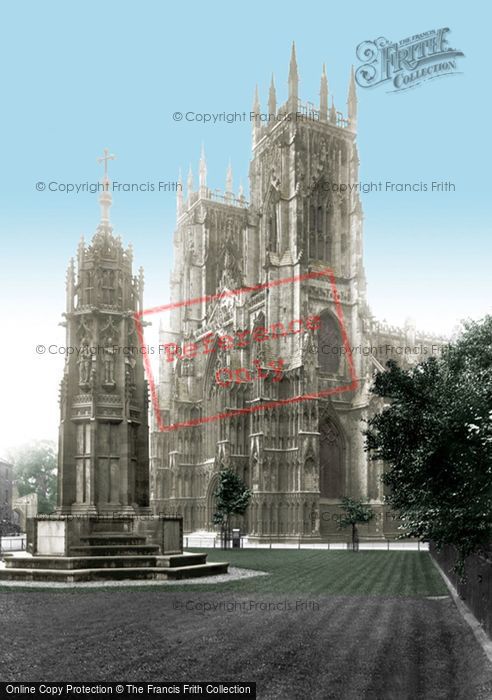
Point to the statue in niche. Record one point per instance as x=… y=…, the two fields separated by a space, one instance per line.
x=84 y=363
x=93 y=379
x=129 y=387
x=306 y=340
x=98 y=283
x=130 y=373
x=229 y=272
x=63 y=394
x=314 y=519
x=191 y=249
x=109 y=360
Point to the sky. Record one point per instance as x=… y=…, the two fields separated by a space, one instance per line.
x=80 y=77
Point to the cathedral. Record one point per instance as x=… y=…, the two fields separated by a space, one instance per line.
x=266 y=405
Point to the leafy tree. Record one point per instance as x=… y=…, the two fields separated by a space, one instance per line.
x=35 y=471
x=231 y=498
x=436 y=436
x=355 y=512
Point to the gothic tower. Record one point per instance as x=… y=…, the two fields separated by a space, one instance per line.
x=302 y=455
x=103 y=436
x=310 y=220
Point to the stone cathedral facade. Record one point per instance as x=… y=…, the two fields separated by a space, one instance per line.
x=299 y=457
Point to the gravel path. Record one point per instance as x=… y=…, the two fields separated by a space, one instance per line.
x=234 y=574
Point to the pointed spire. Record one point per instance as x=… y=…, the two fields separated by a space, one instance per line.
x=240 y=193
x=352 y=101
x=229 y=190
x=203 y=173
x=80 y=250
x=272 y=98
x=256 y=116
x=70 y=283
x=189 y=182
x=256 y=100
x=323 y=95
x=140 y=287
x=333 y=112
x=179 y=195
x=293 y=80
x=70 y=272
x=293 y=62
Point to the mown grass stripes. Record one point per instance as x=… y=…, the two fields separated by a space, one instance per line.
x=337 y=573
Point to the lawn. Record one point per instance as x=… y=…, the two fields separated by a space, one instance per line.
x=333 y=573
x=366 y=626
x=319 y=573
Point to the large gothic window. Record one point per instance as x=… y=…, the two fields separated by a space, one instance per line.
x=318 y=223
x=331 y=476
x=329 y=344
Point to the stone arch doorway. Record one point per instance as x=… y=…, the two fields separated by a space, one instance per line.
x=332 y=476
x=210 y=525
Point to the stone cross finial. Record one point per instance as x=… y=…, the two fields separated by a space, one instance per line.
x=107 y=156
x=105 y=198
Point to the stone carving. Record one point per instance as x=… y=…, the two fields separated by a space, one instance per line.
x=109 y=361
x=130 y=363
x=84 y=362
x=230 y=273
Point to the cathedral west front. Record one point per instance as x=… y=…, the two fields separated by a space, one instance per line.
x=249 y=378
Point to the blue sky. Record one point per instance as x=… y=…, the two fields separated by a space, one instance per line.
x=82 y=76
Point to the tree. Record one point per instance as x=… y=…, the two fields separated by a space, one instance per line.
x=436 y=436
x=35 y=470
x=355 y=512
x=232 y=498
